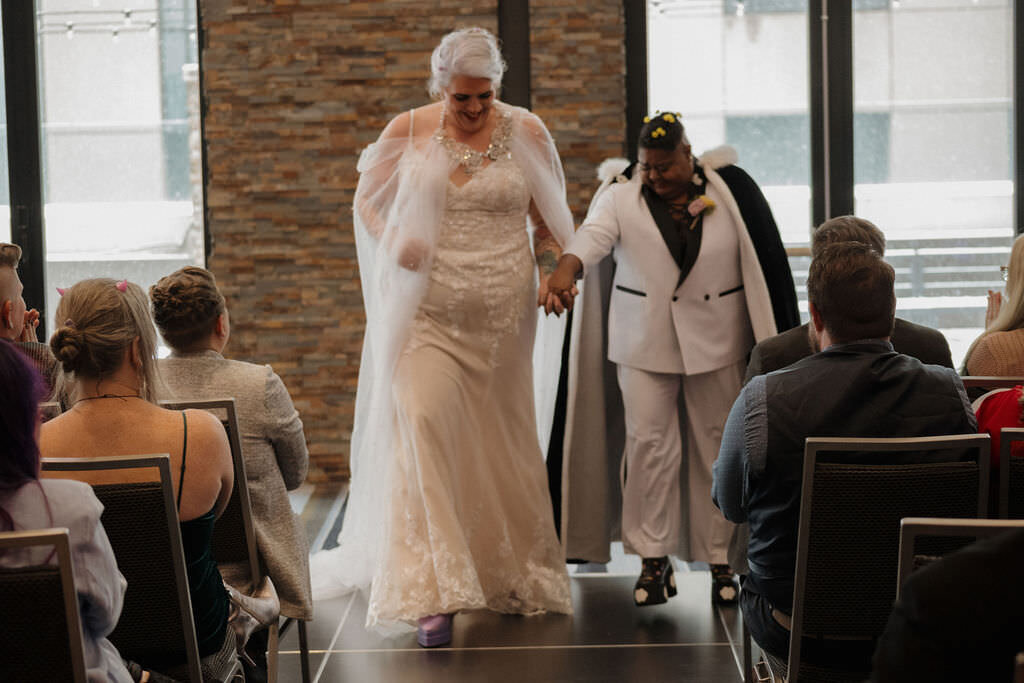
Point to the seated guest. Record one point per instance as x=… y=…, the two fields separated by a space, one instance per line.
x=857 y=386
x=192 y=318
x=996 y=410
x=999 y=351
x=28 y=503
x=953 y=622
x=923 y=343
x=105 y=343
x=17 y=322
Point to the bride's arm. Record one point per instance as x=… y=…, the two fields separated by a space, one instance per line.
x=545 y=247
x=547 y=251
x=381 y=162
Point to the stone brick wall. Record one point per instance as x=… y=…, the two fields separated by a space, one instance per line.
x=578 y=75
x=294 y=90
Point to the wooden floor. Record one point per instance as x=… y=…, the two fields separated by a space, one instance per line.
x=608 y=639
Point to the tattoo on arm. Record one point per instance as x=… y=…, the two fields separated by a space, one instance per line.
x=547 y=261
x=545 y=246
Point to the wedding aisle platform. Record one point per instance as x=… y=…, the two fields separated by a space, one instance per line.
x=608 y=639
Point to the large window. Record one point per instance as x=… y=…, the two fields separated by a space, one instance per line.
x=122 y=187
x=738 y=74
x=930 y=109
x=938 y=75
x=119 y=154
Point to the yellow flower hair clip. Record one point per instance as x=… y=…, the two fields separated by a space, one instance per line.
x=647 y=119
x=669 y=118
x=658 y=132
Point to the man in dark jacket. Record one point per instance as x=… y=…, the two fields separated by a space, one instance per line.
x=924 y=343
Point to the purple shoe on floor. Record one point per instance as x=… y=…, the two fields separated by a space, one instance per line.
x=434 y=630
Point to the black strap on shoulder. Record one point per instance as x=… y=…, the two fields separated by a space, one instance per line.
x=184 y=450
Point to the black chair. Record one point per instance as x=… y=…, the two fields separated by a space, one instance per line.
x=234 y=536
x=1011 y=475
x=979 y=385
x=854 y=494
x=915 y=532
x=989 y=383
x=924 y=540
x=156 y=628
x=43 y=638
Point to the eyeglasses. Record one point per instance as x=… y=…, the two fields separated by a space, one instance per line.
x=1005 y=272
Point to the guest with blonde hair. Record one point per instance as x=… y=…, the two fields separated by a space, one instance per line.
x=999 y=351
x=105 y=343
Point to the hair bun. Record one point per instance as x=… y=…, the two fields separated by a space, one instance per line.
x=67 y=345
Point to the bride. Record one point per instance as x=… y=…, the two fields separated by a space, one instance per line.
x=449 y=506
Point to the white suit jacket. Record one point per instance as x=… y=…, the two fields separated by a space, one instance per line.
x=655 y=323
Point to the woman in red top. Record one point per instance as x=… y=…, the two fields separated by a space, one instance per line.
x=998 y=409
x=995 y=410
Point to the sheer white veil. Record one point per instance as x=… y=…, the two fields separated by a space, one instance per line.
x=399 y=203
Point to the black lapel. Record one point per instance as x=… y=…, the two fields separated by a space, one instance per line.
x=691 y=249
x=666 y=224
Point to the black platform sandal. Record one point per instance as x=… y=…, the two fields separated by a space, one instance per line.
x=724 y=590
x=657 y=582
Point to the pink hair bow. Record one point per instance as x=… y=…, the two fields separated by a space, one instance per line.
x=122 y=286
x=61 y=290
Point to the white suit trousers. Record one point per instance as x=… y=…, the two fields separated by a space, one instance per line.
x=651 y=497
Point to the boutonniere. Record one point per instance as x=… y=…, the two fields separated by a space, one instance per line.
x=701 y=206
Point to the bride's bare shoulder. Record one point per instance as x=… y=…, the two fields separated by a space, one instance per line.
x=421 y=120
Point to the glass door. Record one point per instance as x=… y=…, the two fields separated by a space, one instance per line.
x=933 y=116
x=119 y=108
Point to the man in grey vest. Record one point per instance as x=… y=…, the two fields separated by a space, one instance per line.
x=857 y=386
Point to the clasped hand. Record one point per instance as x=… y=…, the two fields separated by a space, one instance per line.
x=558 y=290
x=28 y=331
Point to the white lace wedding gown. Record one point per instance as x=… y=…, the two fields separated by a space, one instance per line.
x=471 y=518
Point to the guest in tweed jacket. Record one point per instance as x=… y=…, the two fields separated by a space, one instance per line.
x=190 y=312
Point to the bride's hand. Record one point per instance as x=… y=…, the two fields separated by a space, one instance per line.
x=412 y=254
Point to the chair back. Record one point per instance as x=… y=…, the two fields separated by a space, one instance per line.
x=234 y=536
x=40 y=606
x=49 y=410
x=989 y=383
x=156 y=628
x=854 y=494
x=916 y=531
x=1011 y=475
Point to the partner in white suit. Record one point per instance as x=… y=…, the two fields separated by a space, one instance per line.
x=689 y=299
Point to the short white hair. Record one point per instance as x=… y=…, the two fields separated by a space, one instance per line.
x=469 y=52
